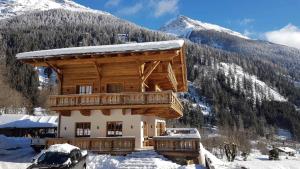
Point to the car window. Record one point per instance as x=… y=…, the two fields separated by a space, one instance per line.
x=51 y=158
x=78 y=154
x=73 y=155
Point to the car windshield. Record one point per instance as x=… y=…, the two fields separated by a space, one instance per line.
x=52 y=158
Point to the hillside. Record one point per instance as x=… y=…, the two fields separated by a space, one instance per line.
x=11 y=8
x=215 y=36
x=64 y=28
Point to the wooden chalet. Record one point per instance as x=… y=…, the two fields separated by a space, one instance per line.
x=115 y=97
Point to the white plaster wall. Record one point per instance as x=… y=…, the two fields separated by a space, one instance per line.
x=67 y=124
x=132 y=124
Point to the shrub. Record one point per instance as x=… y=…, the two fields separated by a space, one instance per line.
x=273 y=154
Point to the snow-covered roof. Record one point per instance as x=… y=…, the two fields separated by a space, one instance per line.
x=104 y=49
x=181 y=133
x=27 y=121
x=63 y=148
x=286 y=149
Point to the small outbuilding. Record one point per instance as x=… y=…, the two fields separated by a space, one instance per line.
x=21 y=125
x=286 y=151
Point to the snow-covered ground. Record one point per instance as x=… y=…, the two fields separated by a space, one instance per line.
x=15 y=153
x=19 y=156
x=197 y=100
x=38 y=111
x=142 y=159
x=258 y=161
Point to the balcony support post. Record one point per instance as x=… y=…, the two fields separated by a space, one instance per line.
x=149 y=70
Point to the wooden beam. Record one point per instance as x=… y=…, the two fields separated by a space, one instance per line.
x=149 y=70
x=55 y=68
x=106 y=112
x=184 y=73
x=138 y=111
x=161 y=110
x=98 y=68
x=59 y=125
x=141 y=67
x=85 y=112
x=168 y=56
x=65 y=112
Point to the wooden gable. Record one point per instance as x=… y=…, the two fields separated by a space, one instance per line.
x=166 y=68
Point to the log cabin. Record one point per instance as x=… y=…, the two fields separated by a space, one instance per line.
x=115 y=92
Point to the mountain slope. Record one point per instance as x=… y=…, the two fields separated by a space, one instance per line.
x=182 y=26
x=286 y=58
x=10 y=8
x=257 y=89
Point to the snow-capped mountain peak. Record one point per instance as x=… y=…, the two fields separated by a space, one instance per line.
x=183 y=26
x=10 y=8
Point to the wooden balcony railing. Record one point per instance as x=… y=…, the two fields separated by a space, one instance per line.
x=172 y=77
x=110 y=145
x=121 y=99
x=175 y=146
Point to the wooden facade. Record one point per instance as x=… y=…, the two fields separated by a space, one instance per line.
x=145 y=81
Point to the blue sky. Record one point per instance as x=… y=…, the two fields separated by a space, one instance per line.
x=254 y=18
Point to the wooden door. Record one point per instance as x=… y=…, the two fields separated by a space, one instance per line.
x=160 y=128
x=145 y=127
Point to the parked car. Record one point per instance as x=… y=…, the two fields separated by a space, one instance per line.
x=60 y=156
x=39 y=143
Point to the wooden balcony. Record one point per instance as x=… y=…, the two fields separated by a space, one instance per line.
x=105 y=145
x=176 y=146
x=172 y=77
x=164 y=103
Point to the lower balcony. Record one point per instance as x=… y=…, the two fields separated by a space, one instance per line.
x=164 y=104
x=104 y=145
x=180 y=146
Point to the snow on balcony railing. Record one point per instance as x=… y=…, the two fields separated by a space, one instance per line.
x=180 y=140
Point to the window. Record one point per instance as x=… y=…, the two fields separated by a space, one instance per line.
x=84 y=89
x=83 y=129
x=160 y=128
x=114 y=129
x=114 y=88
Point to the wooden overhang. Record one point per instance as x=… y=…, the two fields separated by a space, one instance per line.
x=153 y=52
